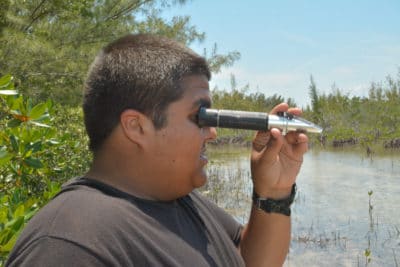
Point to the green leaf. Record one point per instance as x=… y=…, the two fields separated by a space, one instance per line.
x=30 y=214
x=5 y=157
x=5 y=236
x=53 y=142
x=39 y=124
x=8 y=92
x=37 y=146
x=19 y=212
x=14 y=143
x=49 y=104
x=14 y=123
x=3 y=216
x=15 y=103
x=15 y=223
x=9 y=245
x=44 y=117
x=28 y=104
x=5 y=81
x=34 y=163
x=37 y=111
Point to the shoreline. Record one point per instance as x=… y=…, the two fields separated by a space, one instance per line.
x=245 y=141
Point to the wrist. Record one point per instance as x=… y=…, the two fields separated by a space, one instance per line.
x=271 y=205
x=276 y=194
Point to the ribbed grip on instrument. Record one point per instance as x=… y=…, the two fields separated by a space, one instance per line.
x=233 y=119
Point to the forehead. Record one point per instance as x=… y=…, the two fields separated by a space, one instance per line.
x=196 y=89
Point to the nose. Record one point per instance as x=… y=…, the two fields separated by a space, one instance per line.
x=211 y=133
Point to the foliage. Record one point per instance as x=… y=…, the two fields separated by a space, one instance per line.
x=347 y=120
x=315 y=101
x=364 y=120
x=240 y=99
x=24 y=140
x=49 y=45
x=71 y=157
x=216 y=60
x=28 y=147
x=16 y=209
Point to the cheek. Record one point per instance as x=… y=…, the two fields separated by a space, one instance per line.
x=186 y=148
x=180 y=144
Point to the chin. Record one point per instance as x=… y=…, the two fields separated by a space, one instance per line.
x=199 y=180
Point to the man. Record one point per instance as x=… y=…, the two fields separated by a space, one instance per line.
x=137 y=205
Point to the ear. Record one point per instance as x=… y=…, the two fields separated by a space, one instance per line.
x=135 y=126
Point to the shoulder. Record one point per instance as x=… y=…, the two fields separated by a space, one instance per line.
x=81 y=215
x=206 y=205
x=217 y=220
x=49 y=251
x=211 y=212
x=79 y=206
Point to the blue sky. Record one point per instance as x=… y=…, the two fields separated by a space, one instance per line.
x=347 y=43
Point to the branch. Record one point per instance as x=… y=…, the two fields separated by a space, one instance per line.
x=37 y=8
x=34 y=19
x=127 y=9
x=70 y=74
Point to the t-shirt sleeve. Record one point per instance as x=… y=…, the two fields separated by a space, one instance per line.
x=48 y=251
x=232 y=226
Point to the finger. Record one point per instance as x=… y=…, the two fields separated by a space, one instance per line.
x=273 y=146
x=282 y=107
x=295 y=137
x=296 y=144
x=292 y=138
x=261 y=140
x=295 y=111
x=301 y=145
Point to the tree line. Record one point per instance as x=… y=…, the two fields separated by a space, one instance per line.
x=359 y=120
x=367 y=121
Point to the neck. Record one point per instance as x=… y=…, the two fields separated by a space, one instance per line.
x=122 y=171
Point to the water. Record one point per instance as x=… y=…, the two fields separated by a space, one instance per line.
x=346 y=212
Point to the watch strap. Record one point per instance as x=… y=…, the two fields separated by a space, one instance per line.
x=269 y=205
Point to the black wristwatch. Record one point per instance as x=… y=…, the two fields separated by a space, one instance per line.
x=269 y=205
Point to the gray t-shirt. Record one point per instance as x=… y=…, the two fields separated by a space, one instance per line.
x=92 y=224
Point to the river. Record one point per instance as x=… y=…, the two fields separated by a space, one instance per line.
x=346 y=212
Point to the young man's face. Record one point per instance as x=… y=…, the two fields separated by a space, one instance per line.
x=179 y=147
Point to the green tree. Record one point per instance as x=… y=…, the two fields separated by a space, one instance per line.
x=216 y=60
x=240 y=98
x=48 y=45
x=315 y=100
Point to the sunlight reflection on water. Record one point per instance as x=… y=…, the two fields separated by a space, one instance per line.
x=333 y=224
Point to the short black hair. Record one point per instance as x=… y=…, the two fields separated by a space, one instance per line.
x=138 y=71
